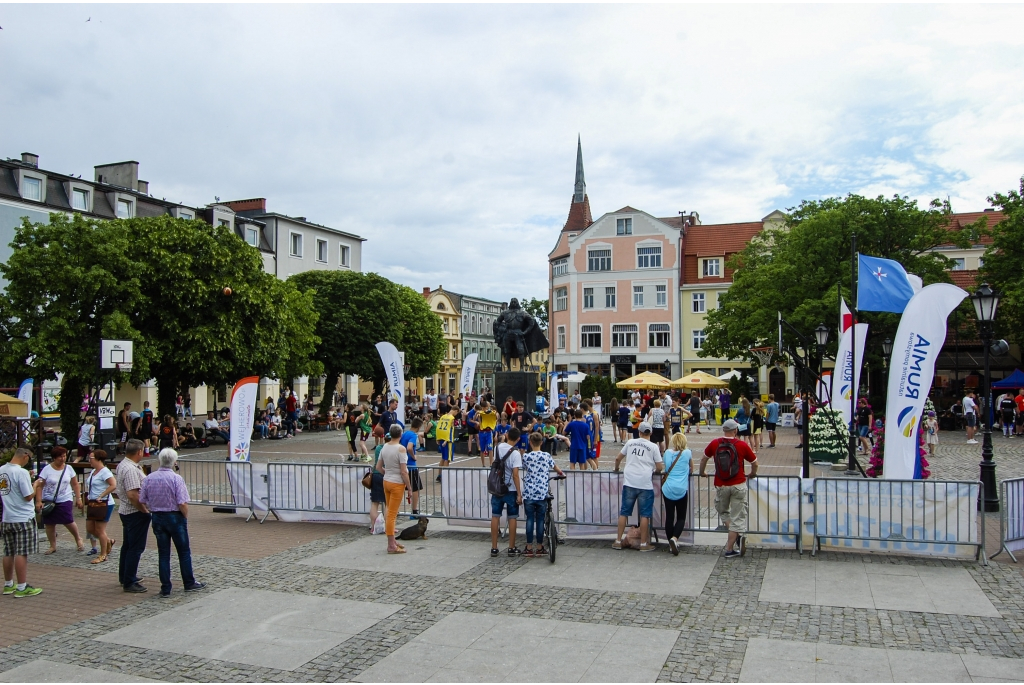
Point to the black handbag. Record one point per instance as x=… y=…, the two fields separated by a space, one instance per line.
x=48 y=507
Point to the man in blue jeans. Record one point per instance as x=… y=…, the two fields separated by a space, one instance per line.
x=643 y=460
x=513 y=498
x=165 y=495
x=134 y=516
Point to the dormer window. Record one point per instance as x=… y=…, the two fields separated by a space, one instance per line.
x=124 y=209
x=32 y=188
x=440 y=306
x=80 y=200
x=252 y=236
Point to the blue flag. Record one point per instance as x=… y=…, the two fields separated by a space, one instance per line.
x=882 y=285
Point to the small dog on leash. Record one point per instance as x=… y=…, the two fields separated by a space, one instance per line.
x=415 y=532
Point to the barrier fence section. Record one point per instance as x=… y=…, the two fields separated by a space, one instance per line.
x=921 y=517
x=320 y=488
x=1011 y=521
x=218 y=483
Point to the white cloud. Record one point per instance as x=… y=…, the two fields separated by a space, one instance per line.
x=446 y=134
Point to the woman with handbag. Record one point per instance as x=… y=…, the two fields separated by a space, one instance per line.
x=675 y=486
x=100 y=502
x=61 y=492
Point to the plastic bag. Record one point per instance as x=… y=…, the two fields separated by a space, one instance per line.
x=378 y=525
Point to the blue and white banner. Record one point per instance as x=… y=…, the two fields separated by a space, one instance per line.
x=25 y=395
x=395 y=373
x=468 y=374
x=882 y=285
x=243 y=414
x=846 y=379
x=915 y=349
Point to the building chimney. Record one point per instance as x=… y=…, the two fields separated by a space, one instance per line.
x=256 y=204
x=30 y=159
x=144 y=187
x=123 y=174
x=426 y=291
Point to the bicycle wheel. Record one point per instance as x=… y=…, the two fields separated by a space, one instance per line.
x=552 y=537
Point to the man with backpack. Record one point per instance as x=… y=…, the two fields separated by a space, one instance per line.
x=506 y=493
x=729 y=453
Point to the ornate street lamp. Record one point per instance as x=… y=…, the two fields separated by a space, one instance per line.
x=985 y=302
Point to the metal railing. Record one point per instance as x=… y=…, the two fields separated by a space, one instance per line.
x=218 y=483
x=326 y=488
x=899 y=515
x=1011 y=518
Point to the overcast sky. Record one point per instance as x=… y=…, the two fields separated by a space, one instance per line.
x=446 y=135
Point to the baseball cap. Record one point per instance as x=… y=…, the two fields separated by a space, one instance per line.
x=644 y=427
x=730 y=425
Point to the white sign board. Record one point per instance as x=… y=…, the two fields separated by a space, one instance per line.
x=114 y=352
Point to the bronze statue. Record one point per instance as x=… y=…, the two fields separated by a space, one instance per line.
x=517 y=335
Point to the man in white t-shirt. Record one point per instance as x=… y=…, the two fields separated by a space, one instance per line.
x=432 y=403
x=20 y=498
x=511 y=500
x=643 y=460
x=970 y=408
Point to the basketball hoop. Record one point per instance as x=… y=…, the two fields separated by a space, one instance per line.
x=763 y=354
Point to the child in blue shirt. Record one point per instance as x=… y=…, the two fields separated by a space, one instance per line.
x=579 y=441
x=410 y=441
x=502 y=428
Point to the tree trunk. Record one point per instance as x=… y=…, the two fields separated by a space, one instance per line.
x=167 y=392
x=70 y=407
x=330 y=384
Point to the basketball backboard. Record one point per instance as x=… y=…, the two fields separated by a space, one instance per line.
x=114 y=352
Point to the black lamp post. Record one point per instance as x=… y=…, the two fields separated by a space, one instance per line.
x=985 y=302
x=886 y=352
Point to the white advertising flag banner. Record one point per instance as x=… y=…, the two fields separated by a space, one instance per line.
x=915 y=348
x=468 y=374
x=395 y=374
x=553 y=401
x=846 y=379
x=243 y=413
x=25 y=394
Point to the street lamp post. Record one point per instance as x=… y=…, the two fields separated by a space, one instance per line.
x=820 y=340
x=985 y=302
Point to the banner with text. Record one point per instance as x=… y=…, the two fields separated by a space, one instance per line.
x=596 y=496
x=243 y=413
x=846 y=379
x=468 y=374
x=918 y=341
x=393 y=371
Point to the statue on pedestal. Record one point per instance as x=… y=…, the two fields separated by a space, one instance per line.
x=517 y=335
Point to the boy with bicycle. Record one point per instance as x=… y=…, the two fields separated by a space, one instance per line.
x=537 y=467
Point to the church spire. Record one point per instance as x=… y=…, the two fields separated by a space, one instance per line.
x=581 y=184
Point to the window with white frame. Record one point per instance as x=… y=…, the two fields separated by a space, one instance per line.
x=590 y=336
x=588 y=298
x=697 y=303
x=609 y=297
x=648 y=257
x=659 y=335
x=561 y=337
x=124 y=209
x=321 y=251
x=187 y=217
x=959 y=264
x=224 y=222
x=295 y=244
x=252 y=236
x=638 y=296
x=599 y=260
x=344 y=255
x=712 y=267
x=32 y=188
x=561 y=299
x=661 y=295
x=625 y=335
x=698 y=338
x=80 y=200
x=718 y=299
x=560 y=267
x=623 y=227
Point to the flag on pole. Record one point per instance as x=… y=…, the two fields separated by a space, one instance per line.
x=243 y=413
x=882 y=285
x=25 y=394
x=468 y=373
x=394 y=371
x=845 y=317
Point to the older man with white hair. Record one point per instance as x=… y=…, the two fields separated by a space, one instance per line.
x=165 y=495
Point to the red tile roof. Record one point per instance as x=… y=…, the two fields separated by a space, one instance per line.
x=579 y=216
x=968 y=280
x=714 y=240
x=961 y=219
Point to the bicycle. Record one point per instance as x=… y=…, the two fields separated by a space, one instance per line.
x=550 y=527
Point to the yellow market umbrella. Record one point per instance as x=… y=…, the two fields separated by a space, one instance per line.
x=699 y=379
x=645 y=380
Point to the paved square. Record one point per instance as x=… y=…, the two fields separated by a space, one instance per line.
x=773 y=661
x=439 y=557
x=254 y=627
x=42 y=671
x=900 y=587
x=467 y=647
x=620 y=571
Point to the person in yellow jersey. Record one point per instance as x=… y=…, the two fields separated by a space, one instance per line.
x=488 y=422
x=445 y=435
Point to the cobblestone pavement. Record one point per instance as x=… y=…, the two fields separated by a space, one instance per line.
x=714 y=627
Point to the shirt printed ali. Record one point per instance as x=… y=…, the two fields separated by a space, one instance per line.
x=536 y=466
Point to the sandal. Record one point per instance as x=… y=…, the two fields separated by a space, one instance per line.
x=540 y=552
x=396 y=551
x=50 y=551
x=110 y=544
x=99 y=560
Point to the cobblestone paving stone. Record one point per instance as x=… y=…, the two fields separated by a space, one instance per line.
x=715 y=626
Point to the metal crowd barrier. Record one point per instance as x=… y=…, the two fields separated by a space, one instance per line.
x=1011 y=518
x=899 y=514
x=327 y=488
x=218 y=483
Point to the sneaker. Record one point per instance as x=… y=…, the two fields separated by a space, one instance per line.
x=972 y=442
x=731 y=554
x=136 y=588
x=29 y=591
x=165 y=595
x=494 y=552
x=195 y=587
x=673 y=546
x=514 y=552
x=438 y=479
x=647 y=548
x=617 y=544
x=9 y=589
x=93 y=551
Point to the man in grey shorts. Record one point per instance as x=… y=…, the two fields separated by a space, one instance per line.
x=731 y=496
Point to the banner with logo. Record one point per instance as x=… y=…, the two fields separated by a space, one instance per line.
x=918 y=341
x=464 y=497
x=468 y=374
x=25 y=394
x=243 y=413
x=846 y=379
x=395 y=373
x=774 y=504
x=553 y=384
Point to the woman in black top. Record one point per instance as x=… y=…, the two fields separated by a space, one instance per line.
x=168 y=434
x=351 y=429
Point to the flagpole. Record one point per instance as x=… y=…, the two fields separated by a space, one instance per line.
x=851 y=466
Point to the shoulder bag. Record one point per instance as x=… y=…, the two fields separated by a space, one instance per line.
x=664 y=476
x=95 y=510
x=49 y=506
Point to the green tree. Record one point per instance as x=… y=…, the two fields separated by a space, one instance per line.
x=1003 y=261
x=359 y=310
x=538 y=309
x=798 y=269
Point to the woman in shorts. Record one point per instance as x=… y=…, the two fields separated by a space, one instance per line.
x=757 y=430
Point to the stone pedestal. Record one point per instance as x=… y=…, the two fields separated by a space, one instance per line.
x=521 y=385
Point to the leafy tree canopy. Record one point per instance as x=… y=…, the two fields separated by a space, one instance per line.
x=538 y=309
x=1003 y=264
x=798 y=269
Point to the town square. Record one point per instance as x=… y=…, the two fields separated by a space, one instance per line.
x=512 y=343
